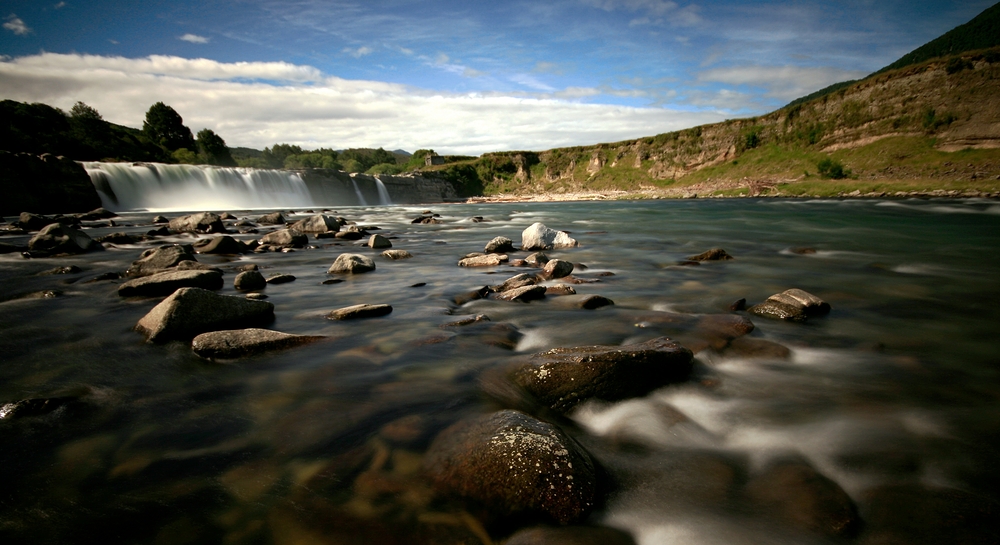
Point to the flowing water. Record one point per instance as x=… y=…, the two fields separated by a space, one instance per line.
x=892 y=396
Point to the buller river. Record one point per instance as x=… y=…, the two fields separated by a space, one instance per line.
x=893 y=396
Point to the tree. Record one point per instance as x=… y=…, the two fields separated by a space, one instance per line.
x=82 y=111
x=213 y=149
x=165 y=126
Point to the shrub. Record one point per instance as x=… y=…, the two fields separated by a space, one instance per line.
x=832 y=169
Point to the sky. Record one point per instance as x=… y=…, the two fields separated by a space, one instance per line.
x=460 y=77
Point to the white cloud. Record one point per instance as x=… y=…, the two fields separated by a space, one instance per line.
x=656 y=11
x=259 y=104
x=60 y=5
x=781 y=82
x=359 y=52
x=16 y=25
x=193 y=38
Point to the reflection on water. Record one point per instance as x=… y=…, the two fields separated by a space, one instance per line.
x=892 y=397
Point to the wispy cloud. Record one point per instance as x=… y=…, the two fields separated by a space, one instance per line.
x=780 y=82
x=60 y=5
x=14 y=24
x=654 y=11
x=359 y=52
x=193 y=38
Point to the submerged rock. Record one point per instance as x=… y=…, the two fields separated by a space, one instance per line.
x=715 y=254
x=158 y=259
x=166 y=282
x=57 y=238
x=540 y=237
x=587 y=302
x=280 y=279
x=793 y=305
x=191 y=311
x=205 y=222
x=499 y=245
x=919 y=515
x=351 y=264
x=396 y=254
x=522 y=294
x=249 y=281
x=237 y=343
x=359 y=311
x=563 y=377
x=514 y=465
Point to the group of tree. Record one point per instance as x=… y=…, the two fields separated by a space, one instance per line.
x=290 y=156
x=165 y=126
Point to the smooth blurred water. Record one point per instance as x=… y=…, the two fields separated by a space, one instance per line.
x=323 y=443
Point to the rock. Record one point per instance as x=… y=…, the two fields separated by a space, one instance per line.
x=467 y=321
x=588 y=302
x=160 y=219
x=396 y=254
x=490 y=260
x=226 y=216
x=740 y=304
x=557 y=268
x=523 y=294
x=563 y=377
x=426 y=219
x=117 y=238
x=359 y=311
x=158 y=259
x=317 y=224
x=352 y=264
x=793 y=305
x=27 y=408
x=161 y=232
x=165 y=283
x=285 y=238
x=803 y=250
x=917 y=515
x=205 y=222
x=219 y=245
x=195 y=266
x=249 y=281
x=274 y=218
x=57 y=238
x=11 y=248
x=36 y=222
x=744 y=347
x=71 y=269
x=280 y=279
x=715 y=254
x=792 y=491
x=237 y=343
x=499 y=245
x=45 y=183
x=190 y=311
x=256 y=296
x=96 y=214
x=344 y=235
x=570 y=535
x=560 y=289
x=514 y=465
x=517 y=281
x=540 y=237
x=537 y=259
x=378 y=242
x=470 y=296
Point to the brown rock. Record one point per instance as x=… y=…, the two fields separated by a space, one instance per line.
x=249 y=281
x=190 y=311
x=237 y=343
x=715 y=254
x=165 y=283
x=557 y=268
x=378 y=242
x=351 y=264
x=158 y=259
x=522 y=294
x=359 y=311
x=396 y=254
x=490 y=260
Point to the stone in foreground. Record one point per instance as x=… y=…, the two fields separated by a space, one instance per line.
x=359 y=311
x=191 y=311
x=792 y=305
x=563 y=377
x=167 y=282
x=540 y=237
x=499 y=245
x=237 y=343
x=351 y=264
x=557 y=268
x=514 y=465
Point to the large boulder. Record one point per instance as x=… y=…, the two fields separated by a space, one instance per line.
x=274 y=218
x=224 y=244
x=237 y=343
x=190 y=311
x=46 y=184
x=317 y=224
x=285 y=238
x=540 y=237
x=792 y=305
x=204 y=222
x=57 y=238
x=351 y=264
x=557 y=268
x=157 y=259
x=563 y=377
x=167 y=282
x=499 y=245
x=514 y=465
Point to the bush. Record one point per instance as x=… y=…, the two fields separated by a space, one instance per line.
x=834 y=170
x=957 y=65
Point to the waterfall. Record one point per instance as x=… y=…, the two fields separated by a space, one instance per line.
x=155 y=186
x=383 y=193
x=357 y=191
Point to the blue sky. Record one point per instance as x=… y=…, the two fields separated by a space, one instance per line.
x=456 y=76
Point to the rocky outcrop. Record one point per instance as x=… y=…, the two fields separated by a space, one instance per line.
x=191 y=311
x=45 y=184
x=165 y=283
x=238 y=343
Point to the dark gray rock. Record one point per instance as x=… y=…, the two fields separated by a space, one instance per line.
x=588 y=302
x=499 y=245
x=396 y=254
x=191 y=311
x=96 y=214
x=523 y=294
x=715 y=254
x=317 y=224
x=280 y=279
x=537 y=259
x=563 y=377
x=285 y=238
x=161 y=219
x=204 y=222
x=220 y=245
x=514 y=465
x=274 y=218
x=57 y=238
x=540 y=237
x=165 y=283
x=71 y=269
x=359 y=311
x=557 y=268
x=351 y=264
x=118 y=238
x=792 y=305
x=517 y=281
x=6 y=248
x=157 y=259
x=378 y=242
x=249 y=281
x=745 y=347
x=195 y=266
x=238 y=343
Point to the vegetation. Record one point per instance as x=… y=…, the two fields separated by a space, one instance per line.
x=165 y=126
x=212 y=149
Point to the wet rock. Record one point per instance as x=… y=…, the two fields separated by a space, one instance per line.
x=34 y=222
x=803 y=250
x=792 y=491
x=205 y=222
x=396 y=254
x=514 y=465
x=560 y=289
x=96 y=214
x=563 y=377
x=359 y=311
x=160 y=219
x=219 y=245
x=537 y=259
x=118 y=238
x=557 y=268
x=470 y=296
x=191 y=311
x=522 y=294
x=499 y=245
x=916 y=515
x=71 y=269
x=6 y=248
x=426 y=219
x=256 y=296
x=57 y=238
x=161 y=232
x=378 y=242
x=165 y=283
x=274 y=218
x=540 y=237
x=570 y=535
x=715 y=254
x=249 y=281
x=517 y=281
x=738 y=305
x=745 y=347
x=587 y=302
x=490 y=260
x=195 y=266
x=317 y=224
x=227 y=216
x=792 y=305
x=467 y=321
x=280 y=279
x=104 y=276
x=157 y=259
x=27 y=408
x=285 y=238
x=238 y=343
x=351 y=264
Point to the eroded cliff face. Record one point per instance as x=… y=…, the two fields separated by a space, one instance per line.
x=44 y=184
x=334 y=186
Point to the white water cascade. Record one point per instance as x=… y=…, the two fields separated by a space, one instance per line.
x=383 y=193
x=357 y=191
x=155 y=186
